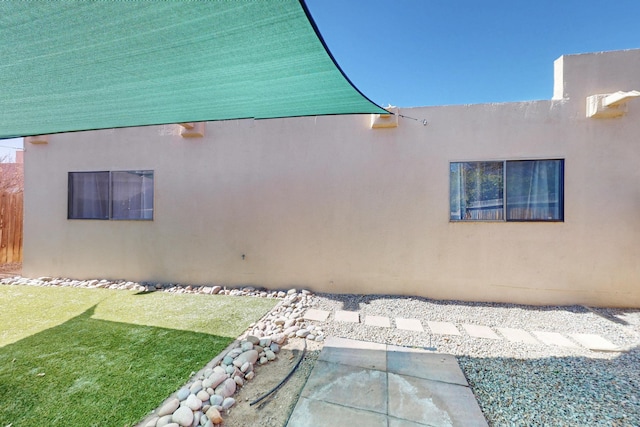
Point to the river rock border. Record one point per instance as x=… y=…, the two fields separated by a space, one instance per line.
x=208 y=395
x=146 y=287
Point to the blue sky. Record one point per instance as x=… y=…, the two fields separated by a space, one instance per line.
x=8 y=148
x=425 y=52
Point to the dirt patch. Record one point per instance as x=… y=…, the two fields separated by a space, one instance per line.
x=274 y=411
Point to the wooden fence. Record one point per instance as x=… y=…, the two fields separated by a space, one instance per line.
x=11 y=205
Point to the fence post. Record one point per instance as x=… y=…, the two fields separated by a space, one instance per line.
x=11 y=206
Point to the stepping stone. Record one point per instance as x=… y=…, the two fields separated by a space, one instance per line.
x=553 y=338
x=347 y=316
x=443 y=328
x=317 y=315
x=380 y=321
x=477 y=331
x=409 y=324
x=517 y=335
x=595 y=342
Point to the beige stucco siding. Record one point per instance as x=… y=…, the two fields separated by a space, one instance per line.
x=332 y=205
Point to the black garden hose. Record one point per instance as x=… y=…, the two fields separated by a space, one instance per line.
x=304 y=350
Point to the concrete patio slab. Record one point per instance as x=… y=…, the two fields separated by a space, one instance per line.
x=478 y=331
x=339 y=394
x=517 y=335
x=433 y=403
x=316 y=413
x=409 y=324
x=333 y=383
x=316 y=315
x=395 y=422
x=354 y=353
x=425 y=364
x=346 y=316
x=553 y=338
x=346 y=343
x=443 y=328
x=379 y=321
x=595 y=342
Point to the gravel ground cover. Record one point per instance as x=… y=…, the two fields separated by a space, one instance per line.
x=519 y=384
x=515 y=384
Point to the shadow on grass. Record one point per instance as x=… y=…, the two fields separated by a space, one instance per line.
x=145 y=292
x=571 y=391
x=93 y=372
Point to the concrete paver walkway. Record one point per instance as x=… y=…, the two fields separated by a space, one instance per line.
x=409 y=324
x=356 y=383
x=517 y=335
x=443 y=328
x=589 y=341
x=553 y=338
x=380 y=321
x=594 y=342
x=477 y=331
x=346 y=316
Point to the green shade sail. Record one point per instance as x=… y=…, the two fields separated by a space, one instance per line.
x=81 y=65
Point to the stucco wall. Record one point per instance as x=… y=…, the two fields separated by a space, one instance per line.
x=330 y=204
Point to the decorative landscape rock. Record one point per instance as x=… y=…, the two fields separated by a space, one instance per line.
x=169 y=407
x=146 y=287
x=183 y=393
x=215 y=379
x=214 y=416
x=216 y=400
x=260 y=345
x=228 y=403
x=302 y=333
x=183 y=416
x=227 y=388
x=196 y=387
x=203 y=395
x=250 y=356
x=253 y=339
x=164 y=421
x=193 y=402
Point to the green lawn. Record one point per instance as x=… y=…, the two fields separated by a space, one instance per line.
x=94 y=357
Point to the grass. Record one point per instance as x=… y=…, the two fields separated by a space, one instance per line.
x=93 y=357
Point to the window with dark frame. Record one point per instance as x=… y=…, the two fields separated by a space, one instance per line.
x=117 y=195
x=511 y=190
